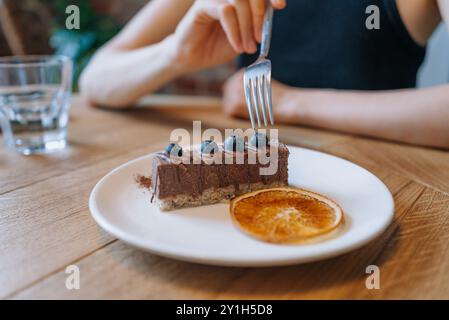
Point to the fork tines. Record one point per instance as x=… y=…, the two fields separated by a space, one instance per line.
x=258 y=94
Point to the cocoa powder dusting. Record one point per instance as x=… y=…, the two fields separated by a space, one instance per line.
x=143 y=182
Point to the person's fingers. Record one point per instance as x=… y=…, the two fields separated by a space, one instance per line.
x=258 y=8
x=244 y=16
x=279 y=4
x=241 y=20
x=230 y=25
x=225 y=13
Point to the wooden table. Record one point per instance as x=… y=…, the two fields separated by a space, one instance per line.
x=45 y=224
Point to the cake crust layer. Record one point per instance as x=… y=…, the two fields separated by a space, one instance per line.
x=212 y=196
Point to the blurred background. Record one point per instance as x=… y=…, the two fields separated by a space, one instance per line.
x=38 y=27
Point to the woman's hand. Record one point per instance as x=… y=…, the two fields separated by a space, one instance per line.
x=215 y=31
x=234 y=101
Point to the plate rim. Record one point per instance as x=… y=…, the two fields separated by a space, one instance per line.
x=172 y=253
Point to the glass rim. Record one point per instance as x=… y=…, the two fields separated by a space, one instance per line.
x=44 y=60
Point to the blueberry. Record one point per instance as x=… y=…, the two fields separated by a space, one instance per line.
x=234 y=143
x=259 y=140
x=209 y=147
x=174 y=149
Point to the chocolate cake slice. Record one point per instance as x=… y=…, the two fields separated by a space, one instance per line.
x=175 y=184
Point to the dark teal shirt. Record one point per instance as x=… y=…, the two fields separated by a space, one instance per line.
x=326 y=44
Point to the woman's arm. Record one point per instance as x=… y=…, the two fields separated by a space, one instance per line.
x=169 y=38
x=412 y=116
x=138 y=59
x=416 y=116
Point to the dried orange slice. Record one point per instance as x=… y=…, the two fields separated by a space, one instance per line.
x=285 y=215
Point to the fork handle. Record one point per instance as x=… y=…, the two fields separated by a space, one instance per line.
x=266 y=31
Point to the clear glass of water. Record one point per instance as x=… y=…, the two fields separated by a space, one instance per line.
x=35 y=96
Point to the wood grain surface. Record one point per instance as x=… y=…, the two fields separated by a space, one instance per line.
x=45 y=224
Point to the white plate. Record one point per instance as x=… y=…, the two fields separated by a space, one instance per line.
x=207 y=234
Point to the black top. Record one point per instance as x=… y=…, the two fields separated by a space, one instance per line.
x=325 y=44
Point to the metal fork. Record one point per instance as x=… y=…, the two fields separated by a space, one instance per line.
x=257 y=78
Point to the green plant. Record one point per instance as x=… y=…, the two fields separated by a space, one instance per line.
x=96 y=28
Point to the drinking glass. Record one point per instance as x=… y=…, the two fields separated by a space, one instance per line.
x=35 y=96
